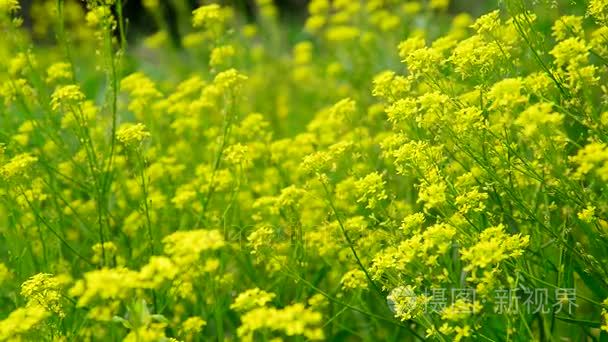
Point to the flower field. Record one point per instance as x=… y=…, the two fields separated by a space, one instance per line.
x=384 y=170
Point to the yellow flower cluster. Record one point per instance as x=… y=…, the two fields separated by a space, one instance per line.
x=207 y=15
x=22 y=322
x=19 y=165
x=231 y=176
x=493 y=246
x=132 y=134
x=251 y=299
x=66 y=96
x=45 y=290
x=354 y=279
x=592 y=157
x=186 y=246
x=406 y=303
x=292 y=320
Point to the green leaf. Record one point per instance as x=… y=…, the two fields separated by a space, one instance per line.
x=124 y=322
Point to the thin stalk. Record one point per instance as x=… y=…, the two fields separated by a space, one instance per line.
x=218 y=158
x=52 y=230
x=354 y=308
x=144 y=189
x=349 y=241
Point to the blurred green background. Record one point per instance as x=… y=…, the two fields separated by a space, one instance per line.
x=292 y=12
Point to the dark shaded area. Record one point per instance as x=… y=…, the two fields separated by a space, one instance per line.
x=295 y=10
x=140 y=22
x=292 y=11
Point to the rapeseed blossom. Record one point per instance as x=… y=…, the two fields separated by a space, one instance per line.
x=45 y=290
x=132 y=135
x=251 y=299
x=599 y=10
x=494 y=246
x=207 y=15
x=292 y=320
x=229 y=176
x=186 y=246
x=22 y=321
x=405 y=303
x=191 y=327
x=18 y=166
x=371 y=190
x=59 y=71
x=221 y=55
x=66 y=97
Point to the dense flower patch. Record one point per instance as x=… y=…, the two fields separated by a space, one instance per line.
x=388 y=171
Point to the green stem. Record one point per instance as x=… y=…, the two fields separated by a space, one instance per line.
x=348 y=239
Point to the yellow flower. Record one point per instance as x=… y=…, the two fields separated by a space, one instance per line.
x=412 y=223
x=587 y=214
x=604 y=326
x=230 y=79
x=18 y=166
x=66 y=96
x=537 y=116
x=142 y=91
x=184 y=196
x=568 y=25
x=293 y=320
x=21 y=63
x=487 y=23
x=477 y=57
x=599 y=10
x=191 y=327
x=571 y=52
x=239 y=155
x=507 y=94
x=390 y=86
x=354 y=279
x=410 y=45
x=425 y=61
x=158 y=271
x=460 y=310
x=132 y=134
x=260 y=238
x=493 y=246
x=22 y=321
x=59 y=71
x=45 y=290
x=371 y=190
x=462 y=332
x=106 y=285
x=211 y=17
x=108 y=247
x=100 y=17
x=221 y=55
x=433 y=195
x=592 y=156
x=185 y=247
x=251 y=299
x=472 y=200
x=405 y=303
